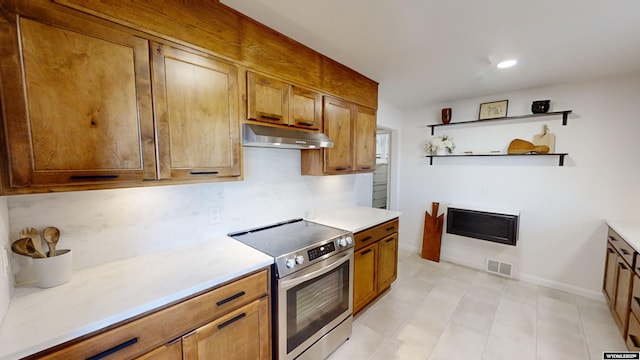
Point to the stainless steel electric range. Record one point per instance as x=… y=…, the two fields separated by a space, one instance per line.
x=312 y=285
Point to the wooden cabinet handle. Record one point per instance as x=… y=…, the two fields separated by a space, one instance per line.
x=634 y=340
x=390 y=240
x=230 y=298
x=203 y=173
x=365 y=252
x=231 y=321
x=113 y=350
x=624 y=251
x=93 y=177
x=610 y=250
x=366 y=167
x=622 y=265
x=391 y=228
x=270 y=117
x=612 y=238
x=304 y=123
x=366 y=239
x=341 y=168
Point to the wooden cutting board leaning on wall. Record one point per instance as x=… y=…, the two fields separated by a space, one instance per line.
x=545 y=138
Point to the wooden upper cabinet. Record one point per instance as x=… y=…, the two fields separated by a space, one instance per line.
x=277 y=102
x=196 y=107
x=77 y=103
x=352 y=128
x=267 y=99
x=305 y=108
x=338 y=126
x=365 y=139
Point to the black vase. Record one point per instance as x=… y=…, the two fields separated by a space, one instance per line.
x=540 y=106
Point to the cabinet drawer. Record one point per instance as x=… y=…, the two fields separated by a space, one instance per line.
x=622 y=247
x=373 y=234
x=141 y=335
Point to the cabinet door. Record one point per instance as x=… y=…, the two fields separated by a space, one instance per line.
x=365 y=276
x=609 y=274
x=365 y=139
x=83 y=112
x=196 y=103
x=170 y=351
x=267 y=99
x=241 y=334
x=338 y=117
x=388 y=261
x=305 y=108
x=621 y=305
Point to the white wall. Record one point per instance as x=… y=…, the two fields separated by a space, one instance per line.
x=6 y=284
x=108 y=225
x=562 y=228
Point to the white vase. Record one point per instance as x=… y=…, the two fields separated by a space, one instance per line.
x=441 y=151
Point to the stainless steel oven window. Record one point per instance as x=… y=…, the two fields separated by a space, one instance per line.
x=314 y=303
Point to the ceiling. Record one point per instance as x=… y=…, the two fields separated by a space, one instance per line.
x=428 y=51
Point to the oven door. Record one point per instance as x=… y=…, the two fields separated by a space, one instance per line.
x=313 y=301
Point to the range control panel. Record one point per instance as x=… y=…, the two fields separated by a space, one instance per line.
x=321 y=250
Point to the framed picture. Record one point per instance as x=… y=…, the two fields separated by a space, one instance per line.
x=493 y=110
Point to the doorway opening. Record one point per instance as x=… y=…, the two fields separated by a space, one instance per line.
x=382 y=175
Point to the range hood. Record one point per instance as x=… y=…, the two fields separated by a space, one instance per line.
x=283 y=138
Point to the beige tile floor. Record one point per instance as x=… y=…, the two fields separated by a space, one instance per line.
x=445 y=311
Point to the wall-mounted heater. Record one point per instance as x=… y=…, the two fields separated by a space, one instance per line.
x=491 y=225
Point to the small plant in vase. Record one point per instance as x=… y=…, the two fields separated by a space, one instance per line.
x=441 y=145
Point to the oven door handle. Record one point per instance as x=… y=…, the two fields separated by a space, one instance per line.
x=287 y=284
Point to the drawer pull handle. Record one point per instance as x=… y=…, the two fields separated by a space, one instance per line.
x=391 y=228
x=341 y=168
x=390 y=240
x=624 y=251
x=231 y=321
x=304 y=123
x=203 y=173
x=114 y=349
x=230 y=298
x=612 y=238
x=634 y=340
x=270 y=117
x=93 y=177
x=622 y=265
x=365 y=252
x=366 y=239
x=366 y=167
x=610 y=250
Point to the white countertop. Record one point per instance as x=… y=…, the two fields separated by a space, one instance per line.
x=630 y=231
x=355 y=219
x=103 y=295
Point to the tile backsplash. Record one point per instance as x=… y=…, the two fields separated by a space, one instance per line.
x=107 y=225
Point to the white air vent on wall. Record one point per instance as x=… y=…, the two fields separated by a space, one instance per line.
x=498 y=267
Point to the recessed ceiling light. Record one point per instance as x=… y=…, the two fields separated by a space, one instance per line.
x=507 y=63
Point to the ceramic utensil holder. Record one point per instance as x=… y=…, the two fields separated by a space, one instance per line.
x=55 y=270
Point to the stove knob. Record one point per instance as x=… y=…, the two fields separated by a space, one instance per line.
x=290 y=263
x=349 y=240
x=342 y=242
x=299 y=259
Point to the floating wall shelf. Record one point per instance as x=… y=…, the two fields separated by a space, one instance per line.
x=564 y=113
x=559 y=155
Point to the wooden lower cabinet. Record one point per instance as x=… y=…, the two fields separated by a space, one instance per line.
x=241 y=334
x=622 y=300
x=388 y=261
x=231 y=321
x=365 y=287
x=170 y=351
x=375 y=262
